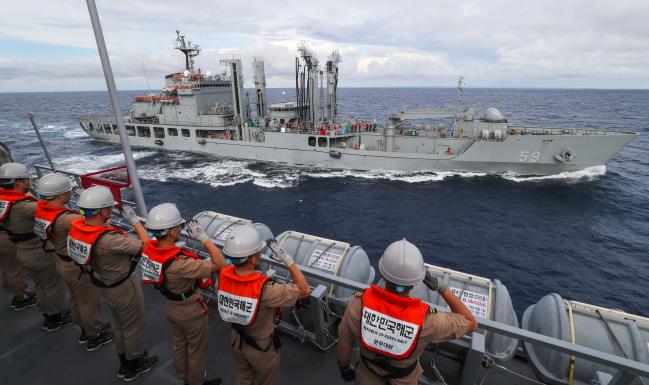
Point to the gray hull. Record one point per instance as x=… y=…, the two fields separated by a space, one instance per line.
x=531 y=154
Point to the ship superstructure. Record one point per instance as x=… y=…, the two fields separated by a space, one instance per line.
x=211 y=113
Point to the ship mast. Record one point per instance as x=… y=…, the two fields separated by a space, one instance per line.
x=190 y=50
x=458 y=102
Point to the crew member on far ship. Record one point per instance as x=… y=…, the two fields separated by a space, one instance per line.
x=391 y=354
x=17 y=218
x=179 y=276
x=110 y=258
x=250 y=301
x=52 y=224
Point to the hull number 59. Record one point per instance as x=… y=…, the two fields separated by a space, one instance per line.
x=527 y=156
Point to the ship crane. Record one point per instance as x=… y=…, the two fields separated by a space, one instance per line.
x=189 y=49
x=332 y=84
x=311 y=69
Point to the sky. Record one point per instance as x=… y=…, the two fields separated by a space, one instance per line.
x=48 y=45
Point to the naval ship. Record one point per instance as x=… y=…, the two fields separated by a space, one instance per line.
x=212 y=113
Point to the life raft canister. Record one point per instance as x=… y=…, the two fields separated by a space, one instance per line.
x=390 y=325
x=156 y=259
x=239 y=296
x=44 y=218
x=82 y=239
x=8 y=198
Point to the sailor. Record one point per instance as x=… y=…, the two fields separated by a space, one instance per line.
x=13 y=276
x=110 y=257
x=179 y=276
x=393 y=328
x=17 y=218
x=250 y=302
x=52 y=222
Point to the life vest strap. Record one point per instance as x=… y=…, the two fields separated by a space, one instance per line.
x=175 y=296
x=95 y=281
x=65 y=257
x=392 y=372
x=245 y=338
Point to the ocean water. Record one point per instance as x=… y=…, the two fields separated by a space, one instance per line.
x=584 y=235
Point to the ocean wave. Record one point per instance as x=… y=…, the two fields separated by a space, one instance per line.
x=408 y=177
x=228 y=172
x=90 y=163
x=220 y=173
x=585 y=175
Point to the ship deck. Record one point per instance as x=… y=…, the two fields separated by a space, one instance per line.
x=29 y=355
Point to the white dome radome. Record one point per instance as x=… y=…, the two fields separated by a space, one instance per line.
x=493 y=115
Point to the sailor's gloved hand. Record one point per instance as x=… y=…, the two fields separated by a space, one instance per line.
x=195 y=231
x=348 y=373
x=129 y=214
x=278 y=253
x=433 y=283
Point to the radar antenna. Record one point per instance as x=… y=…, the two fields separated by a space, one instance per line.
x=190 y=50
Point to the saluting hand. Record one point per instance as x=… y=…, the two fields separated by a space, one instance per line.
x=129 y=214
x=196 y=231
x=278 y=253
x=433 y=283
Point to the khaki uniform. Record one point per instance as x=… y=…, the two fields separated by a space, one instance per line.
x=84 y=296
x=111 y=262
x=50 y=288
x=13 y=275
x=189 y=321
x=254 y=366
x=437 y=327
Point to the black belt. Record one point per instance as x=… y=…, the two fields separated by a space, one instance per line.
x=243 y=337
x=175 y=296
x=20 y=237
x=391 y=371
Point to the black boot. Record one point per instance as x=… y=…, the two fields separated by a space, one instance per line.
x=122 y=366
x=56 y=321
x=138 y=366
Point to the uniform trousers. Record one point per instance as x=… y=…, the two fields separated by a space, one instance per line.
x=255 y=367
x=85 y=298
x=12 y=274
x=189 y=326
x=50 y=289
x=126 y=304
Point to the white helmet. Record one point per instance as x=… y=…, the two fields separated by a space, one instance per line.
x=13 y=171
x=402 y=264
x=164 y=216
x=242 y=243
x=96 y=197
x=52 y=185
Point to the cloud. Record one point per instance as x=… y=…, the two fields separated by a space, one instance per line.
x=503 y=43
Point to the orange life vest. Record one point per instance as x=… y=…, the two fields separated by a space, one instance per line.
x=390 y=325
x=82 y=239
x=155 y=260
x=8 y=198
x=240 y=295
x=44 y=218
